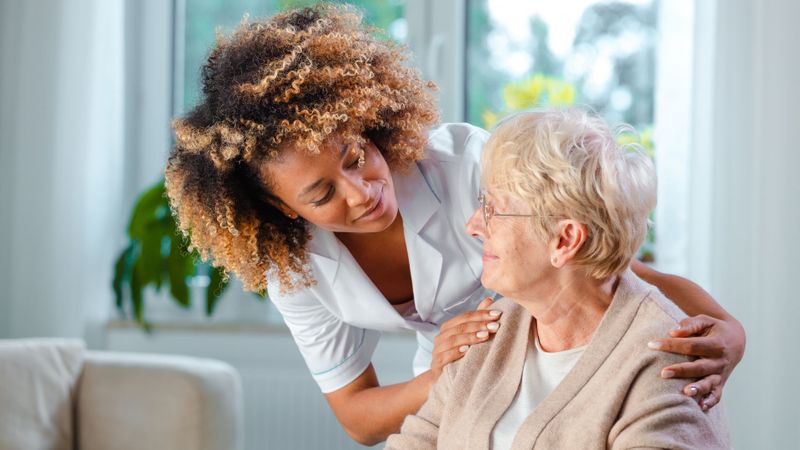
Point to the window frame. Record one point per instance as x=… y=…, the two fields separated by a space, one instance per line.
x=154 y=93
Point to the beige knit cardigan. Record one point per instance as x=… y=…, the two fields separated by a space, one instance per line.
x=613 y=398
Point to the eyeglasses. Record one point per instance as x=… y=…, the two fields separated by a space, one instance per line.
x=489 y=212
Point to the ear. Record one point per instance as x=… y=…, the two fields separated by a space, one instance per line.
x=282 y=207
x=566 y=244
x=264 y=176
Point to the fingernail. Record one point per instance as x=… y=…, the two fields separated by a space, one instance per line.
x=676 y=328
x=667 y=374
x=482 y=334
x=693 y=391
x=495 y=313
x=463 y=348
x=655 y=345
x=493 y=326
x=704 y=406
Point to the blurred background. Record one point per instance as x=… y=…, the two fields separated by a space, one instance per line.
x=88 y=250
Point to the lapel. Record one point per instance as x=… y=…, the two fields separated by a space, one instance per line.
x=504 y=377
x=612 y=328
x=344 y=288
x=353 y=297
x=418 y=204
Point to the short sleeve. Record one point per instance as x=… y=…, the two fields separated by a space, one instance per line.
x=335 y=352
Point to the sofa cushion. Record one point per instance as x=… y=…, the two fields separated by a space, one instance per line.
x=139 y=401
x=38 y=382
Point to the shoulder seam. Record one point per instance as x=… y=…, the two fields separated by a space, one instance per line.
x=650 y=299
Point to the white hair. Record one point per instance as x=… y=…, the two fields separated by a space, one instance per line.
x=567 y=164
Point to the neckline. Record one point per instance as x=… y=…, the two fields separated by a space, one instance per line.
x=538 y=346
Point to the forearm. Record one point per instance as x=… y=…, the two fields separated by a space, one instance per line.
x=370 y=413
x=689 y=296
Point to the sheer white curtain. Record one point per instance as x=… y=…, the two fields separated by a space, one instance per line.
x=756 y=211
x=62 y=140
x=740 y=208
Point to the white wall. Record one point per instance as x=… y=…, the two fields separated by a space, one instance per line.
x=755 y=210
x=62 y=159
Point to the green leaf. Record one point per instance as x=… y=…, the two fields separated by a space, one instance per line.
x=180 y=267
x=149 y=261
x=136 y=295
x=215 y=289
x=146 y=210
x=122 y=274
x=167 y=232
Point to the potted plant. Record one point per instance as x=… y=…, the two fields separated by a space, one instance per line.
x=157 y=255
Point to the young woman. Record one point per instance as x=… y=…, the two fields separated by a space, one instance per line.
x=312 y=168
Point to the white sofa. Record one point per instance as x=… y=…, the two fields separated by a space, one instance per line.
x=54 y=394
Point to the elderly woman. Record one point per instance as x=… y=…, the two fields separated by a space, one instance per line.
x=564 y=211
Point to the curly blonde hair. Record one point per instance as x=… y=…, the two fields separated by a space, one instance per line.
x=295 y=78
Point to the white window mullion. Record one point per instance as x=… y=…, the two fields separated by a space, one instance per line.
x=437 y=39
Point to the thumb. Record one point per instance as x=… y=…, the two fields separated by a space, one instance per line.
x=692 y=326
x=485 y=304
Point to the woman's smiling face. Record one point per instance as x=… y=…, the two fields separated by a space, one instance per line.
x=515 y=257
x=346 y=188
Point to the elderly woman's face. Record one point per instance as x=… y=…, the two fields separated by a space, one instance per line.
x=515 y=258
x=346 y=188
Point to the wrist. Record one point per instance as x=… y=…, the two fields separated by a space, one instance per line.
x=425 y=381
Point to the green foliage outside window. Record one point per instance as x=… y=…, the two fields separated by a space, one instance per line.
x=614 y=38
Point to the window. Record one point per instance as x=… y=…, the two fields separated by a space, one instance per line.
x=597 y=53
x=199 y=21
x=493 y=57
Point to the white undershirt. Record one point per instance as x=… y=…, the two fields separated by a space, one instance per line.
x=540 y=376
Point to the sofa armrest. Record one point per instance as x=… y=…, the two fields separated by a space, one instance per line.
x=136 y=401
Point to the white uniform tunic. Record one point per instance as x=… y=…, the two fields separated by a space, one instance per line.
x=337 y=322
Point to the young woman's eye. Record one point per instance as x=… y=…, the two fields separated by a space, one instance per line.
x=359 y=153
x=324 y=199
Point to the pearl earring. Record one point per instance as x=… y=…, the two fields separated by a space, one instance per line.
x=555 y=260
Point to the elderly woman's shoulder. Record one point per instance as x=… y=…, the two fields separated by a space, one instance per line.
x=654 y=317
x=665 y=314
x=656 y=313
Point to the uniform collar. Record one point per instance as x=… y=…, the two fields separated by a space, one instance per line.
x=417 y=204
x=415 y=198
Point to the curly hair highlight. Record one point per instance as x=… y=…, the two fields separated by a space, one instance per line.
x=294 y=78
